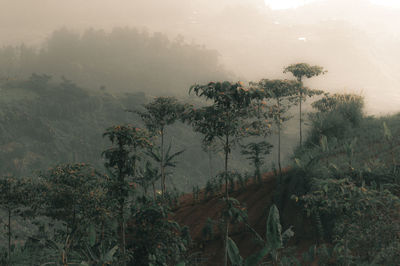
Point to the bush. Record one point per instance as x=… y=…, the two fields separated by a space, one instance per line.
x=155 y=239
x=337 y=115
x=364 y=219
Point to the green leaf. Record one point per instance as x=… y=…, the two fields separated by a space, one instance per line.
x=233 y=253
x=274 y=228
x=287 y=235
x=324 y=143
x=257 y=257
x=92 y=235
x=298 y=162
x=387 y=132
x=110 y=254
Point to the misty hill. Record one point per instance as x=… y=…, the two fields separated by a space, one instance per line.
x=124 y=59
x=355 y=40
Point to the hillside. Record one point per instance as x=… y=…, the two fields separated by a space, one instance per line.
x=45 y=122
x=338 y=197
x=371 y=156
x=257 y=198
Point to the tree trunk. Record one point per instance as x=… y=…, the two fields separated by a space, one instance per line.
x=210 y=162
x=279 y=138
x=134 y=164
x=258 y=174
x=162 y=163
x=393 y=156
x=301 y=99
x=9 y=237
x=346 y=263
x=226 y=243
x=121 y=179
x=122 y=229
x=102 y=231
x=226 y=198
x=226 y=169
x=154 y=191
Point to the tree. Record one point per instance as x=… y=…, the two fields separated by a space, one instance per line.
x=283 y=92
x=148 y=176
x=361 y=220
x=121 y=163
x=337 y=115
x=160 y=113
x=156 y=239
x=38 y=82
x=223 y=122
x=166 y=161
x=300 y=71
x=256 y=153
x=14 y=195
x=76 y=195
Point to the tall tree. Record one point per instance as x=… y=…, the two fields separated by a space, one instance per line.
x=300 y=71
x=121 y=163
x=222 y=122
x=74 y=194
x=283 y=92
x=14 y=194
x=160 y=113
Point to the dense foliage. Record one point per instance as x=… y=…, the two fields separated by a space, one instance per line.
x=346 y=177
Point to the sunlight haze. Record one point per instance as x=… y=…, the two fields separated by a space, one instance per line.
x=356 y=40
x=285 y=4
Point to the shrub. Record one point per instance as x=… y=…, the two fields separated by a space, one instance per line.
x=337 y=115
x=156 y=240
x=364 y=219
x=208 y=230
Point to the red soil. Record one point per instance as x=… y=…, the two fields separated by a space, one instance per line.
x=257 y=198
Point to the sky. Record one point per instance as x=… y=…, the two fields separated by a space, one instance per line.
x=285 y=4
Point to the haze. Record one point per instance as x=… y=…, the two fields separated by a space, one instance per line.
x=356 y=41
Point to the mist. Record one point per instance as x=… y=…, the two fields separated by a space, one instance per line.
x=356 y=41
x=144 y=132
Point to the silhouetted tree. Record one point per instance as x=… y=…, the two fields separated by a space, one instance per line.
x=283 y=92
x=14 y=195
x=75 y=194
x=300 y=71
x=223 y=122
x=160 y=113
x=121 y=163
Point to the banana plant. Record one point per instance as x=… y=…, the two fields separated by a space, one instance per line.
x=99 y=256
x=148 y=176
x=275 y=240
x=387 y=133
x=165 y=160
x=349 y=148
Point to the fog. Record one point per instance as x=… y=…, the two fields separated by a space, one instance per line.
x=356 y=41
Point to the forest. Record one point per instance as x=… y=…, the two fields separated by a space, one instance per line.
x=131 y=60
x=112 y=155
